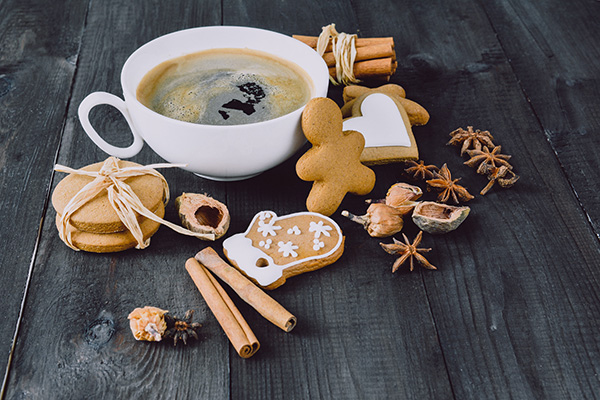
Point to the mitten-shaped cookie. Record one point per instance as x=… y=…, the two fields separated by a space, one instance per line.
x=275 y=248
x=333 y=163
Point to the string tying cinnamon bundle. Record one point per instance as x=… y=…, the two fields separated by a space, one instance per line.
x=121 y=197
x=350 y=58
x=344 y=53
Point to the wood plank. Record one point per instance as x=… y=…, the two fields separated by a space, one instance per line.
x=32 y=70
x=506 y=310
x=553 y=51
x=75 y=339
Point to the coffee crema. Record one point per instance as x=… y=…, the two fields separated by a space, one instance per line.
x=225 y=87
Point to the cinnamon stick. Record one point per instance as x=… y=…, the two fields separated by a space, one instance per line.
x=365 y=53
x=248 y=291
x=231 y=320
x=381 y=67
x=360 y=42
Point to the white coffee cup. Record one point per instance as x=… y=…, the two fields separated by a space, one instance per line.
x=217 y=152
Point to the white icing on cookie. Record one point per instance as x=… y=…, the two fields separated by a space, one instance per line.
x=257 y=264
x=268 y=228
x=266 y=244
x=294 y=230
x=249 y=256
x=318 y=245
x=381 y=122
x=319 y=228
x=287 y=249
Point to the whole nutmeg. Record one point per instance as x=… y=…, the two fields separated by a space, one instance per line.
x=381 y=220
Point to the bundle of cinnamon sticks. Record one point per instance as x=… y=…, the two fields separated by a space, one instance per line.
x=375 y=57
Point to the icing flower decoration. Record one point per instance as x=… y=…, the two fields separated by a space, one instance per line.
x=268 y=228
x=319 y=228
x=287 y=249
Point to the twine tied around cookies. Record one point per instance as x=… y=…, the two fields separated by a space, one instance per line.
x=121 y=197
x=344 y=51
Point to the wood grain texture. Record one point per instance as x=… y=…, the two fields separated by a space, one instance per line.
x=547 y=47
x=78 y=304
x=511 y=312
x=38 y=50
x=504 y=259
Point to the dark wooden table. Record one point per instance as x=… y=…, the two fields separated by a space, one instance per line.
x=513 y=310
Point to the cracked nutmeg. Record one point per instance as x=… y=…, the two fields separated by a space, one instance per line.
x=437 y=218
x=408 y=251
x=448 y=187
x=203 y=214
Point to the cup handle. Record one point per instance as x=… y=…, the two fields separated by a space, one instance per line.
x=98 y=98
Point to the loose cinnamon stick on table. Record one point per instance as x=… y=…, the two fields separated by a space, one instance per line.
x=248 y=291
x=235 y=326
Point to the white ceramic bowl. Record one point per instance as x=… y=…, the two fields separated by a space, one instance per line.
x=231 y=152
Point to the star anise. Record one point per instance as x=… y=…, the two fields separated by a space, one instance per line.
x=484 y=157
x=407 y=251
x=470 y=139
x=181 y=328
x=503 y=175
x=419 y=170
x=448 y=187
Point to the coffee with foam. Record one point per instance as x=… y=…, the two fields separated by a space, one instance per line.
x=225 y=87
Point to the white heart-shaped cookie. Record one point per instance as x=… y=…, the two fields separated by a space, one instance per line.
x=381 y=122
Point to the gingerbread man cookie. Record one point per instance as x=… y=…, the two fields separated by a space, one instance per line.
x=333 y=163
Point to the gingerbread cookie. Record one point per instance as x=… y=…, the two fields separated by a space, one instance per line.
x=333 y=163
x=112 y=242
x=386 y=127
x=97 y=215
x=417 y=115
x=274 y=248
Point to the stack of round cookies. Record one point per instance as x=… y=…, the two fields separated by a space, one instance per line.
x=95 y=226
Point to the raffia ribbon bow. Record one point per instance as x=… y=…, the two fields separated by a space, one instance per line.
x=121 y=197
x=343 y=47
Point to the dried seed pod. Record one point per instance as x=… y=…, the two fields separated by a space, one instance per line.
x=148 y=323
x=203 y=214
x=380 y=220
x=438 y=218
x=402 y=193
